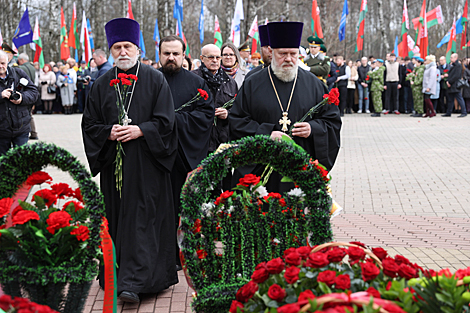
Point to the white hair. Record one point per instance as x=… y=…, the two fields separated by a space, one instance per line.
x=285 y=75
x=3 y=54
x=23 y=56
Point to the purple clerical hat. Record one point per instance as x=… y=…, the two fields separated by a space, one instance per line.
x=285 y=34
x=263 y=35
x=122 y=29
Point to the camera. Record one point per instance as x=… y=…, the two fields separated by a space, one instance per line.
x=15 y=95
x=82 y=79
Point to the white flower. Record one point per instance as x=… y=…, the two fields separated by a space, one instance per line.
x=275 y=240
x=207 y=208
x=262 y=191
x=296 y=192
x=230 y=209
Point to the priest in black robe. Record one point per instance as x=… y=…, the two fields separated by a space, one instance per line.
x=258 y=110
x=141 y=217
x=194 y=121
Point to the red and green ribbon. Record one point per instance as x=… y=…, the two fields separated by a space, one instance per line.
x=109 y=257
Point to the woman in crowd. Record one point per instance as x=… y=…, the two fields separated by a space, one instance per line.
x=67 y=88
x=47 y=80
x=231 y=63
x=187 y=63
x=429 y=84
x=255 y=57
x=351 y=86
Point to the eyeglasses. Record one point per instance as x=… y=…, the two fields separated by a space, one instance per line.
x=228 y=55
x=212 y=57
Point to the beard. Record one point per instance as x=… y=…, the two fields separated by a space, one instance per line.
x=171 y=68
x=285 y=72
x=125 y=63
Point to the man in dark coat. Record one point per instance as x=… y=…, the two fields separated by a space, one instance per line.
x=141 y=216
x=25 y=65
x=15 y=112
x=444 y=71
x=257 y=109
x=194 y=122
x=455 y=73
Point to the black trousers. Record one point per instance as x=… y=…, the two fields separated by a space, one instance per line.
x=350 y=100
x=442 y=105
x=343 y=97
x=391 y=96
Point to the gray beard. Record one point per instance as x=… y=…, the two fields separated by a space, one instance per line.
x=126 y=64
x=285 y=75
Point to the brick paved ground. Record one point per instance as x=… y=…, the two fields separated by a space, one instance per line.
x=404 y=184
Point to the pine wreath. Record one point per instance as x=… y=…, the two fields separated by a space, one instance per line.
x=221 y=250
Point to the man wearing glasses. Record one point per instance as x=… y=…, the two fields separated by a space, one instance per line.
x=222 y=87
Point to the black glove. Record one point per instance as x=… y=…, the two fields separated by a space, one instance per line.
x=43 y=83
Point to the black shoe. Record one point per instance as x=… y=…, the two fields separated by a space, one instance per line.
x=129 y=296
x=446 y=115
x=33 y=137
x=462 y=115
x=375 y=115
x=417 y=115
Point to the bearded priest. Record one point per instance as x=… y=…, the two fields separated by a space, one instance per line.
x=277 y=97
x=140 y=212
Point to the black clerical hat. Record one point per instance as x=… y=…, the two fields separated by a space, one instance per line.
x=263 y=35
x=285 y=34
x=122 y=29
x=7 y=48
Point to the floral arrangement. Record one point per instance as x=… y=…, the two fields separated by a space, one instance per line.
x=126 y=81
x=201 y=94
x=316 y=279
x=22 y=305
x=52 y=231
x=224 y=234
x=226 y=105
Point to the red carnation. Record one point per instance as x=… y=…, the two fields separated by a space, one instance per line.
x=62 y=190
x=274 y=195
x=126 y=82
x=78 y=194
x=373 y=292
x=77 y=205
x=282 y=202
x=276 y=293
x=356 y=253
x=132 y=76
x=380 y=253
x=343 y=282
x=47 y=195
x=292 y=274
x=226 y=194
x=369 y=271
x=323 y=173
x=260 y=275
x=446 y=71
x=289 y=308
x=248 y=180
x=275 y=266
x=38 y=178
x=336 y=254
x=82 y=233
x=24 y=216
x=304 y=251
x=114 y=82
x=390 y=267
x=293 y=258
x=406 y=271
x=201 y=254
x=333 y=96
x=235 y=305
x=57 y=220
x=246 y=292
x=317 y=260
x=123 y=75
x=5 y=206
x=203 y=94
x=327 y=277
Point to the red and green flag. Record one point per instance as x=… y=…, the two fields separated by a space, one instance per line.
x=403 y=50
x=64 y=48
x=422 y=41
x=452 y=44
x=360 y=26
x=39 y=55
x=253 y=33
x=217 y=34
x=74 y=39
x=316 y=26
x=463 y=21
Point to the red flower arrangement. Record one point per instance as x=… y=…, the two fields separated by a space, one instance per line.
x=38 y=178
x=22 y=305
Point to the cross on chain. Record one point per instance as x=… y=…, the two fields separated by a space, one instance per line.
x=127 y=120
x=284 y=121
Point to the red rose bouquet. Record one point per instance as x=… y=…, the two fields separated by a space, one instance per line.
x=22 y=305
x=201 y=94
x=50 y=230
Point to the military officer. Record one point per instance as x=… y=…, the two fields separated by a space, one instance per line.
x=377 y=77
x=318 y=64
x=416 y=81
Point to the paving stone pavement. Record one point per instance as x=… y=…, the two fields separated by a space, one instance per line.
x=404 y=184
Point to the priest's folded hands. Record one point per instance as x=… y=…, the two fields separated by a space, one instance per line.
x=125 y=133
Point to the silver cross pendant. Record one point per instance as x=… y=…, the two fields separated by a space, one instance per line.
x=126 y=120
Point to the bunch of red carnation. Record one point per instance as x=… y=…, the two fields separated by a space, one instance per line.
x=22 y=305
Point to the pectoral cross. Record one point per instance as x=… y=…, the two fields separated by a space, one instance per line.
x=284 y=121
x=127 y=120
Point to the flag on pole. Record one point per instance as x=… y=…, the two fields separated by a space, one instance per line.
x=238 y=15
x=452 y=44
x=201 y=23
x=217 y=34
x=395 y=49
x=64 y=47
x=463 y=24
x=90 y=35
x=405 y=26
x=84 y=40
x=445 y=39
x=129 y=10
x=253 y=33
x=433 y=17
x=316 y=26
x=422 y=41
x=342 y=24
x=178 y=15
x=360 y=26
x=73 y=40
x=156 y=38
x=143 y=52
x=266 y=21
x=412 y=47
x=23 y=33
x=39 y=55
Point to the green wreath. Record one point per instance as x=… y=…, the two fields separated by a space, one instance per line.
x=16 y=166
x=216 y=277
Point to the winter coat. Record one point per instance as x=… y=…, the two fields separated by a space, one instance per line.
x=429 y=78
x=438 y=86
x=352 y=80
x=66 y=92
x=466 y=90
x=45 y=80
x=455 y=73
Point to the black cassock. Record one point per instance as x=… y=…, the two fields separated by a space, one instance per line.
x=256 y=111
x=141 y=222
x=194 y=127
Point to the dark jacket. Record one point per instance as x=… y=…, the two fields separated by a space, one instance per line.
x=330 y=81
x=103 y=68
x=402 y=75
x=443 y=71
x=362 y=72
x=29 y=69
x=466 y=90
x=455 y=73
x=14 y=119
x=82 y=74
x=220 y=132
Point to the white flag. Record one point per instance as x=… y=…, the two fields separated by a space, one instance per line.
x=238 y=15
x=84 y=40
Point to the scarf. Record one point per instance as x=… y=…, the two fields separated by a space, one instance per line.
x=232 y=71
x=214 y=80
